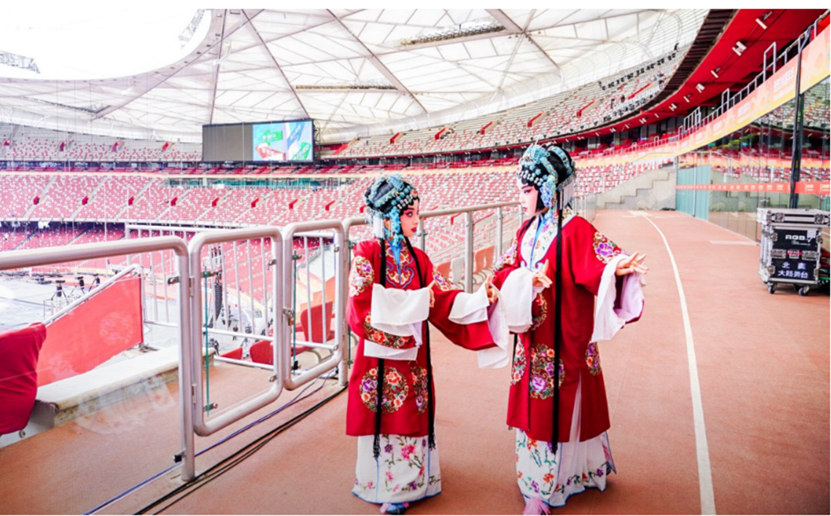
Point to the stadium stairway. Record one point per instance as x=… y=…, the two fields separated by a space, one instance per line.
x=650 y=190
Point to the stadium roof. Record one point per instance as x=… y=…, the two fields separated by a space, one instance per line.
x=355 y=72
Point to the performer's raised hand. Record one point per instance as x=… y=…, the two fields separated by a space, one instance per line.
x=541 y=278
x=432 y=294
x=632 y=264
x=492 y=292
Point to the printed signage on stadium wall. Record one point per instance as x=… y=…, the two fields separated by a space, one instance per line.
x=802 y=187
x=775 y=91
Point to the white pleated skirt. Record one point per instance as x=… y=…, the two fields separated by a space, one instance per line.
x=553 y=477
x=405 y=471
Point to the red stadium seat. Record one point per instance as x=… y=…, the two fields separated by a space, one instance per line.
x=19 y=352
x=316 y=333
x=262 y=352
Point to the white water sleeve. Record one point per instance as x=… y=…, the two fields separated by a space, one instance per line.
x=608 y=320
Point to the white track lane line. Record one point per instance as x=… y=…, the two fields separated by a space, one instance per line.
x=705 y=475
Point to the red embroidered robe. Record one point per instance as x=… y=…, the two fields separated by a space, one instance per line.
x=405 y=390
x=530 y=406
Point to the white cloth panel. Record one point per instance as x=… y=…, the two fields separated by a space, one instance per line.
x=395 y=311
x=608 y=320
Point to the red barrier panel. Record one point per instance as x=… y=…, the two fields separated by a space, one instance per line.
x=106 y=324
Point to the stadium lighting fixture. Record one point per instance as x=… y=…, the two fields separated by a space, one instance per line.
x=467 y=29
x=673 y=106
x=687 y=98
x=761 y=24
x=699 y=87
x=18 y=61
x=715 y=73
x=739 y=48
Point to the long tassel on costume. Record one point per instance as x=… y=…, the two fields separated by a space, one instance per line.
x=431 y=407
x=558 y=317
x=525 y=226
x=379 y=395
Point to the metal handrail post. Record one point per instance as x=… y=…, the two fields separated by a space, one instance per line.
x=499 y=218
x=468 y=251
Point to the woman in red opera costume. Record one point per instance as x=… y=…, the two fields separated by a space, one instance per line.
x=393 y=292
x=561 y=442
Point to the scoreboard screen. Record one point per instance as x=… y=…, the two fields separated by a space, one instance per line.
x=287 y=141
x=282 y=141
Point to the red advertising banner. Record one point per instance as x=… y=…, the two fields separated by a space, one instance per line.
x=802 y=187
x=106 y=324
x=776 y=90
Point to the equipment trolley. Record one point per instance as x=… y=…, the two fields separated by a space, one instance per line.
x=791 y=247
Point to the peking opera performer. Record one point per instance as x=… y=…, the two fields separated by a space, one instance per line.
x=561 y=296
x=393 y=293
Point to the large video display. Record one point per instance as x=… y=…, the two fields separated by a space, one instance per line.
x=282 y=141
x=287 y=141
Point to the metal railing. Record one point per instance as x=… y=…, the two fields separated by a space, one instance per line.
x=771 y=61
x=203 y=424
x=292 y=382
x=63 y=254
x=196 y=416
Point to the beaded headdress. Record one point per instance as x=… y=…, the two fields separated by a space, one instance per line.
x=386 y=199
x=537 y=169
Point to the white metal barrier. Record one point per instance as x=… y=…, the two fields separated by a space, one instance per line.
x=52 y=255
x=204 y=425
x=291 y=382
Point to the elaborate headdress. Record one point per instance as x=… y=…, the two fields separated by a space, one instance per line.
x=548 y=168
x=386 y=199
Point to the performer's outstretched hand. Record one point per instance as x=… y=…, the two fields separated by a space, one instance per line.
x=432 y=294
x=632 y=264
x=541 y=278
x=491 y=291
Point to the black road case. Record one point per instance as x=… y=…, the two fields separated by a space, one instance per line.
x=791 y=247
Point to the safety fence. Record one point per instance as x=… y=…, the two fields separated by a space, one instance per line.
x=264 y=298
